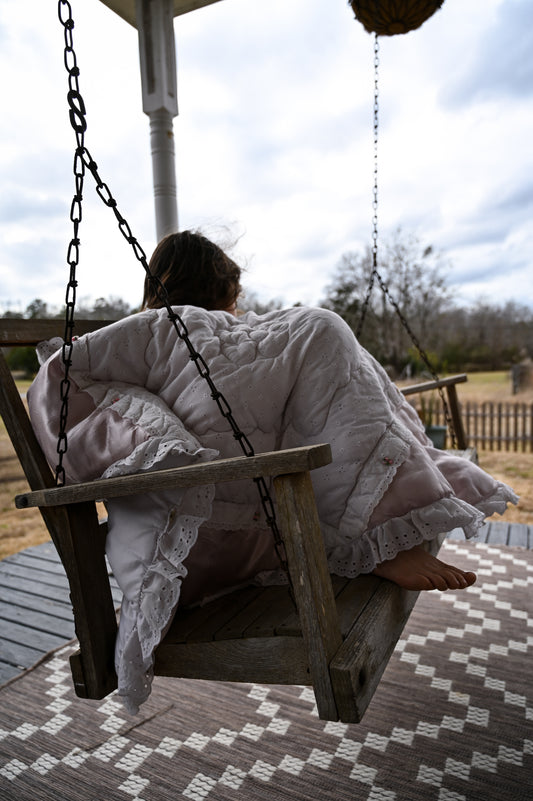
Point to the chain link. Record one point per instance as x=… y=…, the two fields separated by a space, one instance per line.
x=375 y=274
x=196 y=357
x=83 y=162
x=78 y=122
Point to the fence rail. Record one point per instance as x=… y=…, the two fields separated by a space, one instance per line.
x=496 y=426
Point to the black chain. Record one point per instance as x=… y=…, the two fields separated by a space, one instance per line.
x=375 y=274
x=82 y=161
x=79 y=124
x=182 y=331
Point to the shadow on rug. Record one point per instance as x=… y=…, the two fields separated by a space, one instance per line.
x=452 y=719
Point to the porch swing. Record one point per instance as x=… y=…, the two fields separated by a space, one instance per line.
x=331 y=633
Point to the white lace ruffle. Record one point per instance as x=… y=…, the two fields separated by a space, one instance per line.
x=146 y=618
x=164 y=432
x=362 y=555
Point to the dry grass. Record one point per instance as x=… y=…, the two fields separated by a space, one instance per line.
x=21 y=529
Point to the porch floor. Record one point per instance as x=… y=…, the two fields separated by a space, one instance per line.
x=35 y=611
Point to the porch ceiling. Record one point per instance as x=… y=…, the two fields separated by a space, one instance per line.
x=126 y=8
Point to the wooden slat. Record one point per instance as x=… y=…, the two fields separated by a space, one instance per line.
x=7 y=671
x=16 y=571
x=519 y=536
x=207 y=621
x=427 y=386
x=15 y=598
x=277 y=608
x=457 y=418
x=47 y=568
x=354 y=598
x=498 y=535
x=15 y=332
x=272 y=660
x=17 y=654
x=42 y=620
x=42 y=641
x=357 y=667
x=236 y=626
x=237 y=468
x=83 y=556
x=32 y=586
x=311 y=583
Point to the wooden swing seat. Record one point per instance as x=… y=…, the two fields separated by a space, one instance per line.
x=338 y=634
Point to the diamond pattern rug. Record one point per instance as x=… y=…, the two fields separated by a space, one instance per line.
x=452 y=719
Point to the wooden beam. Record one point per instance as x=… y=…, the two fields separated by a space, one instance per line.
x=294 y=460
x=311 y=584
x=429 y=385
x=15 y=332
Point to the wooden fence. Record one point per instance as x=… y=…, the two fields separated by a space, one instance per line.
x=496 y=426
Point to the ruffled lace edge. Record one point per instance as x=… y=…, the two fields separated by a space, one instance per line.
x=161 y=581
x=385 y=541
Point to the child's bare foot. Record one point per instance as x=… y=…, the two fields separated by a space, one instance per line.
x=416 y=569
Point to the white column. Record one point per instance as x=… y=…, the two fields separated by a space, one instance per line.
x=155 y=22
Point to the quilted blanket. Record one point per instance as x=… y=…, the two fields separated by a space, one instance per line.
x=293 y=377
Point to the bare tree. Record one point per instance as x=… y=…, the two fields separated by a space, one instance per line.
x=415 y=281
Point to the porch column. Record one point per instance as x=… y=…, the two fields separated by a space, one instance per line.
x=155 y=23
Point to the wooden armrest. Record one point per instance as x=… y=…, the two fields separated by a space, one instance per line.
x=442 y=382
x=15 y=332
x=293 y=460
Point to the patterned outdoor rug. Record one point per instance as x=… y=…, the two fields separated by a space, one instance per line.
x=451 y=721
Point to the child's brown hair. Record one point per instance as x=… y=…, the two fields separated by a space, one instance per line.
x=194 y=271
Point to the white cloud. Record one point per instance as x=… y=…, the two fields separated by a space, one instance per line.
x=274 y=140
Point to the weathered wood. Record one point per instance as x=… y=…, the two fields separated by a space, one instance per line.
x=83 y=556
x=41 y=641
x=237 y=468
x=427 y=386
x=16 y=654
x=311 y=583
x=16 y=332
x=269 y=660
x=236 y=625
x=206 y=622
x=28 y=573
x=519 y=536
x=499 y=535
x=354 y=598
x=357 y=667
x=31 y=618
x=16 y=601
x=457 y=419
x=450 y=385
x=277 y=608
x=7 y=671
x=500 y=426
x=34 y=587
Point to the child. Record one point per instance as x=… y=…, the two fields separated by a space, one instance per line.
x=292 y=377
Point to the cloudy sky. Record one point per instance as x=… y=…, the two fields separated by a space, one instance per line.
x=274 y=144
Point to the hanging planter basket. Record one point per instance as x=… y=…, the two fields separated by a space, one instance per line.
x=390 y=17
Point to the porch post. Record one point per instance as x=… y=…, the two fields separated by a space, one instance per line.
x=155 y=23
